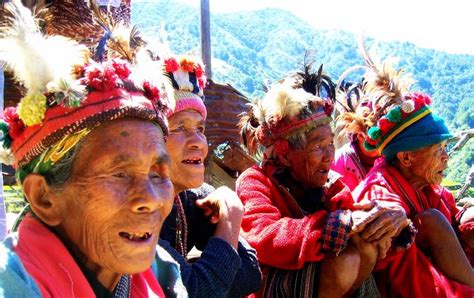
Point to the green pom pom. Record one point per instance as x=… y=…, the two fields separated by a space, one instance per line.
x=394 y=115
x=368 y=147
x=374 y=133
x=4 y=136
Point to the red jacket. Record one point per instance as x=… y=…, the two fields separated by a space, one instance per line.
x=276 y=226
x=410 y=273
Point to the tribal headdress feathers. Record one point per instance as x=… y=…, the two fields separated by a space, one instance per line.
x=68 y=93
x=290 y=106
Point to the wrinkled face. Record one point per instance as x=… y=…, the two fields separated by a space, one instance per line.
x=187 y=146
x=118 y=196
x=310 y=165
x=428 y=163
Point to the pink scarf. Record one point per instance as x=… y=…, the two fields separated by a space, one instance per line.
x=55 y=271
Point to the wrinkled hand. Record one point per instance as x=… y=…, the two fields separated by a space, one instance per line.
x=364 y=247
x=384 y=220
x=383 y=246
x=221 y=204
x=224 y=208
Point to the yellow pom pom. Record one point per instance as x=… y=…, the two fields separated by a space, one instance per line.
x=31 y=109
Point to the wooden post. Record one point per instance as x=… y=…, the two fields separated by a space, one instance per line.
x=206 y=37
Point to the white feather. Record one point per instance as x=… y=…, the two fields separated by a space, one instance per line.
x=282 y=100
x=35 y=59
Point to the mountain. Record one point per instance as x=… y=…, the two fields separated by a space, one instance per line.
x=252 y=47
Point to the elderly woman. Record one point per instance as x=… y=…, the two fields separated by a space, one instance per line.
x=87 y=142
x=298 y=214
x=412 y=141
x=227 y=266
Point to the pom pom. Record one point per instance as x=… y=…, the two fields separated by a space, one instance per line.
x=101 y=77
x=187 y=64
x=121 y=68
x=171 y=65
x=385 y=125
x=374 y=133
x=15 y=125
x=199 y=70
x=31 y=109
x=394 y=115
x=408 y=106
x=151 y=92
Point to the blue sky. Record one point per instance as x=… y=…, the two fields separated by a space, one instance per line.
x=438 y=24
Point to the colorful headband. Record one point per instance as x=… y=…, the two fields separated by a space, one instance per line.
x=68 y=94
x=277 y=128
x=407 y=127
x=189 y=80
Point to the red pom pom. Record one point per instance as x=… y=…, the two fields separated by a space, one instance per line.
x=187 y=65
x=121 y=68
x=101 y=78
x=15 y=124
x=151 y=92
x=202 y=81
x=385 y=125
x=171 y=65
x=199 y=70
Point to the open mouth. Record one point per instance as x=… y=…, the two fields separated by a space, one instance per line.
x=193 y=161
x=136 y=237
x=323 y=171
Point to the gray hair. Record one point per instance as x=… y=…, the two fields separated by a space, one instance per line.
x=298 y=140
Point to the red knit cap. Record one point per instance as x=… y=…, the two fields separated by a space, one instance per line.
x=66 y=91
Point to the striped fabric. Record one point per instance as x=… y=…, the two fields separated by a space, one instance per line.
x=292 y=283
x=304 y=283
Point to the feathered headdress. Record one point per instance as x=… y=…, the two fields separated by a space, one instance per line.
x=384 y=85
x=68 y=94
x=186 y=74
x=290 y=106
x=402 y=120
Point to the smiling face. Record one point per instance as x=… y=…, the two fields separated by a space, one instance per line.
x=310 y=165
x=117 y=198
x=428 y=164
x=187 y=146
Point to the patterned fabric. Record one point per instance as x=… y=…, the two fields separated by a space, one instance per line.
x=336 y=232
x=410 y=273
x=292 y=283
x=283 y=234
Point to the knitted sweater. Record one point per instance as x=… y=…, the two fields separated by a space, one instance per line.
x=410 y=273
x=284 y=235
x=221 y=271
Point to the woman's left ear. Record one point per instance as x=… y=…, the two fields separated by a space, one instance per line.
x=43 y=201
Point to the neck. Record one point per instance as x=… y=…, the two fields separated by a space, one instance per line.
x=106 y=277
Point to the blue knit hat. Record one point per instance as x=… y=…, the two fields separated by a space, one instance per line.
x=408 y=127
